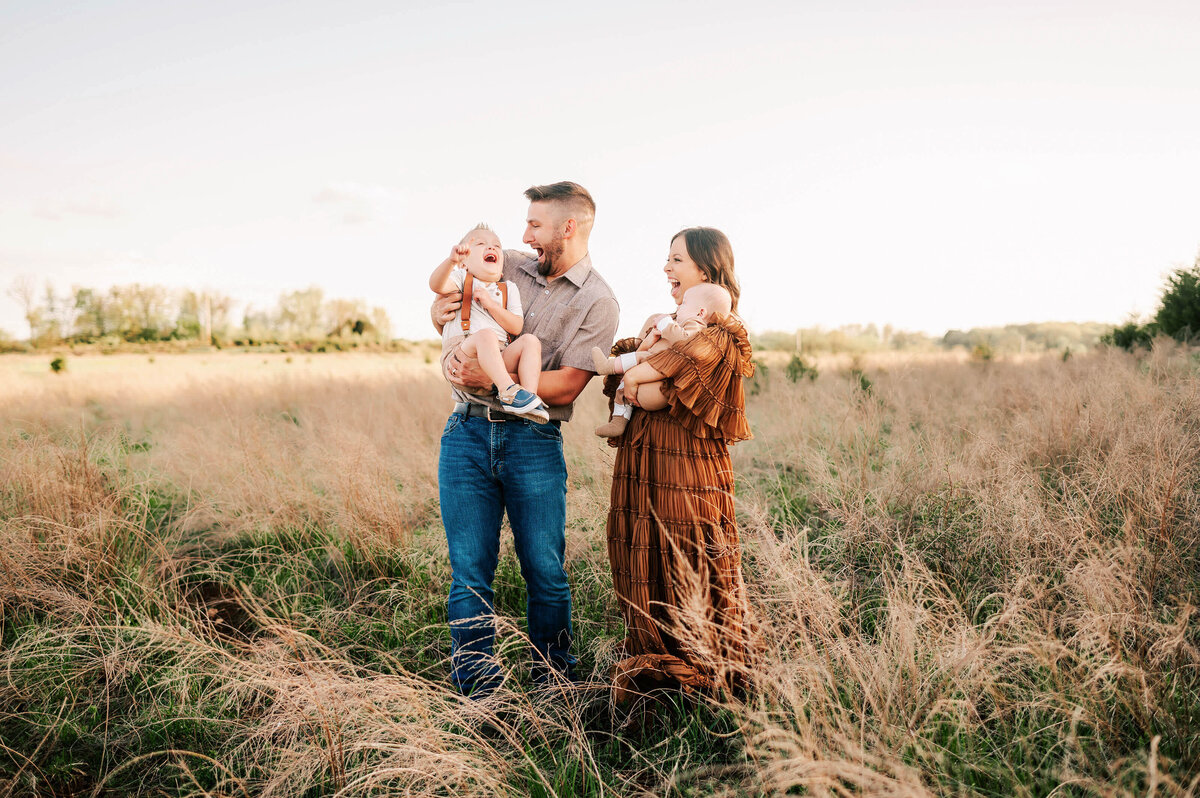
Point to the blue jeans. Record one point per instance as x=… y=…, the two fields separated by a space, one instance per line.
x=484 y=469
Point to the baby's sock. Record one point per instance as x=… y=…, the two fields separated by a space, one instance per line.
x=623 y=363
x=620 y=417
x=612 y=365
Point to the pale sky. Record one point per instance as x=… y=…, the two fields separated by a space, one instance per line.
x=925 y=164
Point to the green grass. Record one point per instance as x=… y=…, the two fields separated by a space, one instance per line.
x=149 y=656
x=378 y=610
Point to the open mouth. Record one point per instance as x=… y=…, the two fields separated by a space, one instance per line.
x=490 y=258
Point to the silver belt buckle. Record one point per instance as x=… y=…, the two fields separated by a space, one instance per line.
x=494 y=420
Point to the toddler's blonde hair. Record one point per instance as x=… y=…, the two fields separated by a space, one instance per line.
x=480 y=226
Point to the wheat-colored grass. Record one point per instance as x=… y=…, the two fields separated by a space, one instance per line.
x=971 y=578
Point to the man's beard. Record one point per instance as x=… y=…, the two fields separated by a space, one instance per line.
x=551 y=254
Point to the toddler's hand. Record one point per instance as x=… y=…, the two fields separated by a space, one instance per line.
x=484 y=298
x=459 y=253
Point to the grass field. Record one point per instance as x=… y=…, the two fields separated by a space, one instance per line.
x=225 y=575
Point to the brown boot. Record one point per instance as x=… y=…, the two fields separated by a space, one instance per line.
x=603 y=363
x=614 y=427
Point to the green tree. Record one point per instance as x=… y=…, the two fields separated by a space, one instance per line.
x=299 y=314
x=189 y=322
x=152 y=311
x=95 y=313
x=1179 y=311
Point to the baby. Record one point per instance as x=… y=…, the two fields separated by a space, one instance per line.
x=489 y=316
x=700 y=304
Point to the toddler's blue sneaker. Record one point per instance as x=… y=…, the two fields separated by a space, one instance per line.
x=524 y=403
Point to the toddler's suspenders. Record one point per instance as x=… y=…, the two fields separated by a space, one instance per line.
x=469 y=291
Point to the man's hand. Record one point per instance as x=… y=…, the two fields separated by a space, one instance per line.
x=464 y=372
x=444 y=308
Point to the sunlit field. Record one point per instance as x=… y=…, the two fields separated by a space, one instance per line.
x=225 y=574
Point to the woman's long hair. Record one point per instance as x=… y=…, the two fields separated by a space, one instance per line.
x=711 y=251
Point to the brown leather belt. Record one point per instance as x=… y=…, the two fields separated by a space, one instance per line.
x=483 y=411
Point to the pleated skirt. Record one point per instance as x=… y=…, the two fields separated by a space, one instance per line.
x=676 y=560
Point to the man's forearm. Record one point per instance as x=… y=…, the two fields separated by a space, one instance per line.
x=562 y=386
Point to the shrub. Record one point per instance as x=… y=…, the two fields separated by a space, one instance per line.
x=798 y=368
x=757 y=383
x=1179 y=310
x=58 y=365
x=1130 y=335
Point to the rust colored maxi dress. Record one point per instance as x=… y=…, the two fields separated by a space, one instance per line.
x=672 y=541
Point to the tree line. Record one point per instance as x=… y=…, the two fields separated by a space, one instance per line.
x=139 y=313
x=1009 y=339
x=1177 y=317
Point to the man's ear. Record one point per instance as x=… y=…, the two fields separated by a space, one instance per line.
x=569 y=227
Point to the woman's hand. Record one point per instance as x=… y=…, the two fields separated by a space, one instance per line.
x=630 y=391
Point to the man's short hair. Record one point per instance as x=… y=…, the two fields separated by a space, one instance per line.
x=571 y=196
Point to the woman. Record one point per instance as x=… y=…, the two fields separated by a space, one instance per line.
x=672 y=541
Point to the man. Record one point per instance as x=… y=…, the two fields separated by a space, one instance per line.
x=491 y=462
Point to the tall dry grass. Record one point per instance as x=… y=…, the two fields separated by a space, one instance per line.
x=995 y=566
x=969 y=578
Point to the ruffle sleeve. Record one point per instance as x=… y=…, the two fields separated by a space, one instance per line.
x=704 y=388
